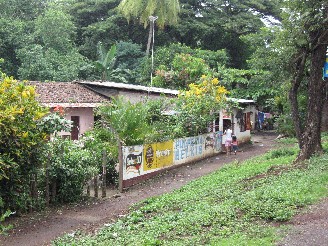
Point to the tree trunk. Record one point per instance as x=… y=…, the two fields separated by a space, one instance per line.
x=293 y=95
x=150 y=35
x=53 y=191
x=311 y=138
x=88 y=190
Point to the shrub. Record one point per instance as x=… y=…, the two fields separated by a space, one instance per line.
x=20 y=139
x=280 y=153
x=70 y=168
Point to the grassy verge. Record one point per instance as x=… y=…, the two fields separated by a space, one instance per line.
x=233 y=206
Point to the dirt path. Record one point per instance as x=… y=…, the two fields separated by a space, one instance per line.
x=309 y=228
x=40 y=229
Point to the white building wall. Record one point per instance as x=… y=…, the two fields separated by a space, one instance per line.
x=242 y=136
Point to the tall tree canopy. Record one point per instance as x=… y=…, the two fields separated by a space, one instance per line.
x=306 y=37
x=166 y=11
x=51 y=54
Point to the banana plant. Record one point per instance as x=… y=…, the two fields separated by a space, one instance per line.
x=106 y=61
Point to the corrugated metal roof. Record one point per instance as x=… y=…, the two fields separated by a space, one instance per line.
x=146 y=89
x=131 y=87
x=241 y=100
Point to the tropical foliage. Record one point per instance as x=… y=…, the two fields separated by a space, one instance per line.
x=199 y=106
x=29 y=163
x=211 y=41
x=20 y=139
x=167 y=11
x=106 y=61
x=164 y=119
x=19 y=134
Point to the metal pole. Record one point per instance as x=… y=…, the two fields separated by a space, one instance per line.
x=152 y=19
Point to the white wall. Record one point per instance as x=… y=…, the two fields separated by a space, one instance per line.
x=244 y=136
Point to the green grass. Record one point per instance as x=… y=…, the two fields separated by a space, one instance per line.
x=233 y=206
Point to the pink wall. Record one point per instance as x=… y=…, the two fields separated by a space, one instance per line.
x=86 y=118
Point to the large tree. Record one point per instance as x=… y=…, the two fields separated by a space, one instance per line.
x=306 y=37
x=52 y=54
x=16 y=23
x=219 y=24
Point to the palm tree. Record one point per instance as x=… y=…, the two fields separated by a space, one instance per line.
x=166 y=10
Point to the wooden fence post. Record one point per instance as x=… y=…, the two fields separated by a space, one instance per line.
x=47 y=181
x=104 y=161
x=33 y=190
x=88 y=189
x=95 y=184
x=120 y=161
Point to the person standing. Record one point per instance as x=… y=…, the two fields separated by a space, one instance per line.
x=228 y=140
x=234 y=144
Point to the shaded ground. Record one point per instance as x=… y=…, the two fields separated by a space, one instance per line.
x=309 y=228
x=40 y=229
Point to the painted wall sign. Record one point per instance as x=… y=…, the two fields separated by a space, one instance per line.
x=132 y=161
x=164 y=154
x=149 y=151
x=158 y=155
x=209 y=141
x=218 y=141
x=139 y=160
x=186 y=149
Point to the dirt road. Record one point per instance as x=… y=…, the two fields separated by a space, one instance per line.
x=40 y=229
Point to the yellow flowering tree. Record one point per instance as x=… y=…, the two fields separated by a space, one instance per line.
x=199 y=105
x=19 y=139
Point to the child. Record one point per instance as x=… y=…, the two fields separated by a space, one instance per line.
x=234 y=144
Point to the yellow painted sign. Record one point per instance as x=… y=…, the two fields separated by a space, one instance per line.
x=158 y=155
x=164 y=154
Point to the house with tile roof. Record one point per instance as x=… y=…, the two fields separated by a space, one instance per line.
x=240 y=119
x=77 y=101
x=80 y=98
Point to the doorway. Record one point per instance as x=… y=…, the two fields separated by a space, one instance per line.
x=76 y=127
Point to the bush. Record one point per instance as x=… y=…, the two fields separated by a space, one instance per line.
x=286 y=125
x=20 y=139
x=70 y=168
x=100 y=140
x=280 y=153
x=3 y=228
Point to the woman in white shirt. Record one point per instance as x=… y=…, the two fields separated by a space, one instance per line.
x=228 y=140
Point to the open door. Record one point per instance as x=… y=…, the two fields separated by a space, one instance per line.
x=76 y=127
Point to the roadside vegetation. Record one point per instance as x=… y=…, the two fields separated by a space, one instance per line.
x=208 y=53
x=236 y=205
x=36 y=173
